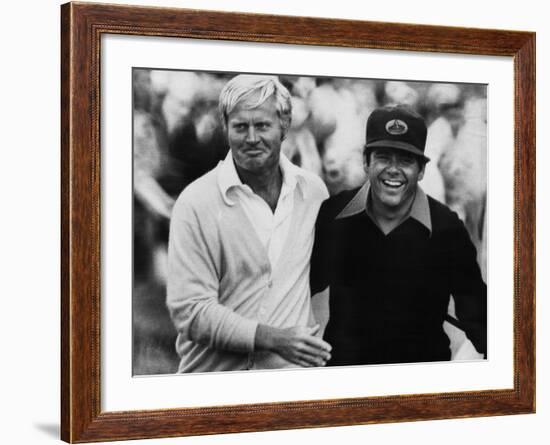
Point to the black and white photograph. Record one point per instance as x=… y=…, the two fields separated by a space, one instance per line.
x=138 y=306
x=285 y=221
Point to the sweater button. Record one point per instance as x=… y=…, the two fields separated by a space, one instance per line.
x=269 y=283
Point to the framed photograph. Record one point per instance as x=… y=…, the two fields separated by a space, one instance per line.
x=275 y=222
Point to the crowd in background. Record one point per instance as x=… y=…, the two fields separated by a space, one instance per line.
x=178 y=136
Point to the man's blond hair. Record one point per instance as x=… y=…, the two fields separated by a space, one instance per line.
x=252 y=91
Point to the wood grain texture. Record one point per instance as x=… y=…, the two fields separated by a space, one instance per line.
x=65 y=227
x=525 y=220
x=81 y=28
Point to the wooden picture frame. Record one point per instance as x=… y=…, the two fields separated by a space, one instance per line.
x=82 y=26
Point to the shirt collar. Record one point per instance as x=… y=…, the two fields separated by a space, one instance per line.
x=420 y=209
x=228 y=177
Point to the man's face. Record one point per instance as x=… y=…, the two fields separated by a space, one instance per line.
x=394 y=175
x=255 y=137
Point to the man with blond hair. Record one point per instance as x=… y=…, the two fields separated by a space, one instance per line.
x=240 y=243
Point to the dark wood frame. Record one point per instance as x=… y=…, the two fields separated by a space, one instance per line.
x=81 y=28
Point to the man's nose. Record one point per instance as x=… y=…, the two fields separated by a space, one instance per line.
x=393 y=163
x=252 y=136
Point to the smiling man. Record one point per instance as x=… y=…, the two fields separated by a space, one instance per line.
x=240 y=244
x=392 y=257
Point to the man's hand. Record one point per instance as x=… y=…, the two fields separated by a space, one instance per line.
x=297 y=344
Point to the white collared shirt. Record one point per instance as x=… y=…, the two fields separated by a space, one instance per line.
x=271 y=227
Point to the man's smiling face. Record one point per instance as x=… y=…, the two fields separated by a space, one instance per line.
x=394 y=175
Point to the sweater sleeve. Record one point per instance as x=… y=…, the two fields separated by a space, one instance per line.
x=318 y=277
x=193 y=286
x=468 y=288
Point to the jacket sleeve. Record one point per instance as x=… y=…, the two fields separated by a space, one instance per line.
x=468 y=288
x=193 y=286
x=319 y=278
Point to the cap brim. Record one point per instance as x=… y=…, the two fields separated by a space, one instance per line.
x=386 y=143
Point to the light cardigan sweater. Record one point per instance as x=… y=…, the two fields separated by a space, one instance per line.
x=221 y=284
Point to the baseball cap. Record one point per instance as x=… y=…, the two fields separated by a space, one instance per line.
x=397 y=127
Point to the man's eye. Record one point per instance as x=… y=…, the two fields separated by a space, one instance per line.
x=239 y=127
x=406 y=161
x=262 y=125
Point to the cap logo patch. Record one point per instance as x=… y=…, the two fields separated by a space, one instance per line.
x=396 y=127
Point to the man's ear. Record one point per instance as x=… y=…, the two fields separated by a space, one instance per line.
x=285 y=128
x=422 y=170
x=284 y=132
x=365 y=161
x=224 y=130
